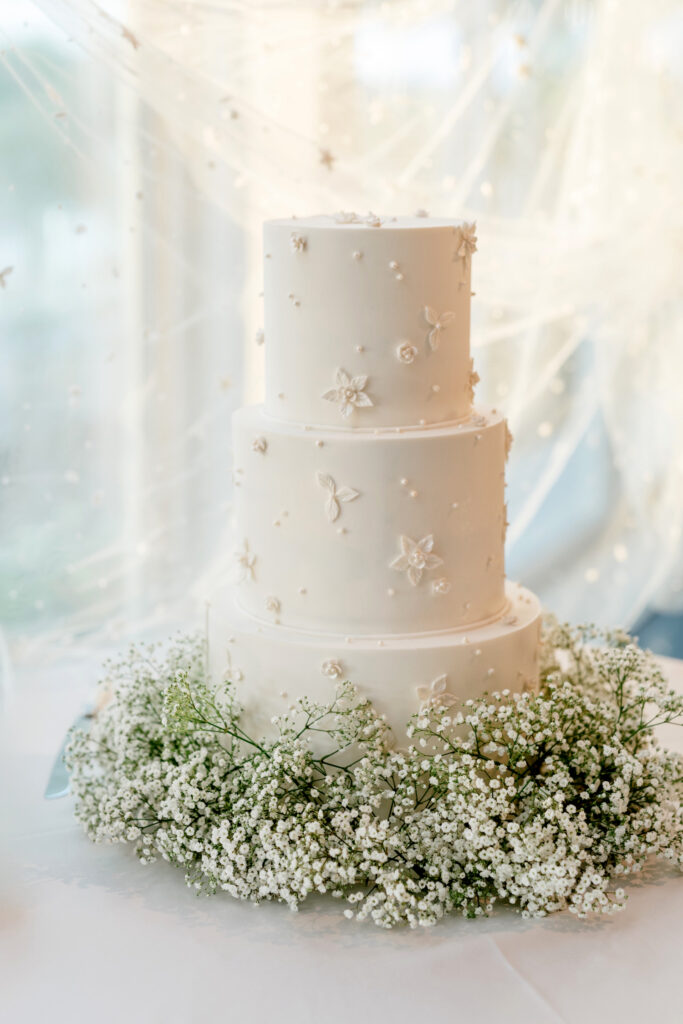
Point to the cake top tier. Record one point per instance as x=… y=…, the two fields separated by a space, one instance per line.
x=367 y=320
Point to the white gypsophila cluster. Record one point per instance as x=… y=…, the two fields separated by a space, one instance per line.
x=545 y=801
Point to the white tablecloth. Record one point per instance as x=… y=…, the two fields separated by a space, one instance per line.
x=88 y=934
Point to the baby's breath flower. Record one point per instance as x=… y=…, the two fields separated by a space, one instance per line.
x=540 y=800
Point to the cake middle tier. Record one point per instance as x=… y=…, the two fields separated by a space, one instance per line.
x=385 y=532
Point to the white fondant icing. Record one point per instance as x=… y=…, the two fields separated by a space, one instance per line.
x=345 y=302
x=347 y=576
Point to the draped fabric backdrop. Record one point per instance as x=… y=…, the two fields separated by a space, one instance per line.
x=143 y=143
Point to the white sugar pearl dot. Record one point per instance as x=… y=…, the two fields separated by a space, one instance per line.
x=281 y=394
x=393 y=265
x=454 y=504
x=413 y=494
x=380 y=643
x=357 y=255
x=284 y=513
x=348 y=639
x=297 y=302
x=341 y=529
x=399 y=277
x=302 y=590
x=478 y=651
x=291 y=295
x=319 y=444
x=391 y=592
x=276 y=522
x=491 y=672
x=360 y=348
x=436 y=388
x=404 y=481
x=284 y=694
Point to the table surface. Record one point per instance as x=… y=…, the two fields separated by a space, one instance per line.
x=87 y=933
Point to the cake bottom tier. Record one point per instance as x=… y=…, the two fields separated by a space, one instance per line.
x=272 y=666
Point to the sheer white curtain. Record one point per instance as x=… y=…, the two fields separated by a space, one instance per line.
x=167 y=131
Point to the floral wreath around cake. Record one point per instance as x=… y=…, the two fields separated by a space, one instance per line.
x=546 y=801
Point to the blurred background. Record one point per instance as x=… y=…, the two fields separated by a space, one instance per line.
x=142 y=142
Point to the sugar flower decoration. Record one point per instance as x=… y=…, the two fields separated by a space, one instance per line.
x=436 y=693
x=372 y=220
x=259 y=444
x=508 y=440
x=297 y=243
x=349 y=392
x=272 y=605
x=441 y=586
x=405 y=353
x=344 y=217
x=332 y=669
x=437 y=323
x=416 y=557
x=245 y=562
x=468 y=242
x=335 y=495
x=473 y=380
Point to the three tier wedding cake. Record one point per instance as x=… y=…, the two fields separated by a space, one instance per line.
x=369 y=492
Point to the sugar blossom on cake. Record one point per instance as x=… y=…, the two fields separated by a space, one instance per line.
x=335 y=495
x=441 y=586
x=405 y=353
x=346 y=217
x=297 y=243
x=467 y=244
x=259 y=444
x=332 y=669
x=372 y=220
x=436 y=693
x=349 y=392
x=416 y=557
x=472 y=380
x=272 y=605
x=245 y=562
x=437 y=324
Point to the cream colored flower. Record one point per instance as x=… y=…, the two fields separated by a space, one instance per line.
x=245 y=562
x=344 y=217
x=468 y=242
x=259 y=444
x=416 y=557
x=436 y=692
x=332 y=669
x=405 y=353
x=335 y=495
x=472 y=380
x=437 y=323
x=272 y=605
x=349 y=392
x=297 y=243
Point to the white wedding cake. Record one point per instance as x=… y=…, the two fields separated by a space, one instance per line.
x=369 y=492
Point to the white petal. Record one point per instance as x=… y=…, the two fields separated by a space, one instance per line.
x=407 y=545
x=346 y=408
x=362 y=399
x=414 y=575
x=400 y=562
x=342 y=378
x=430 y=316
x=423 y=693
x=446 y=318
x=326 y=481
x=331 y=396
x=434 y=337
x=432 y=561
x=427 y=543
x=439 y=684
x=359 y=382
x=347 y=494
x=333 y=509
